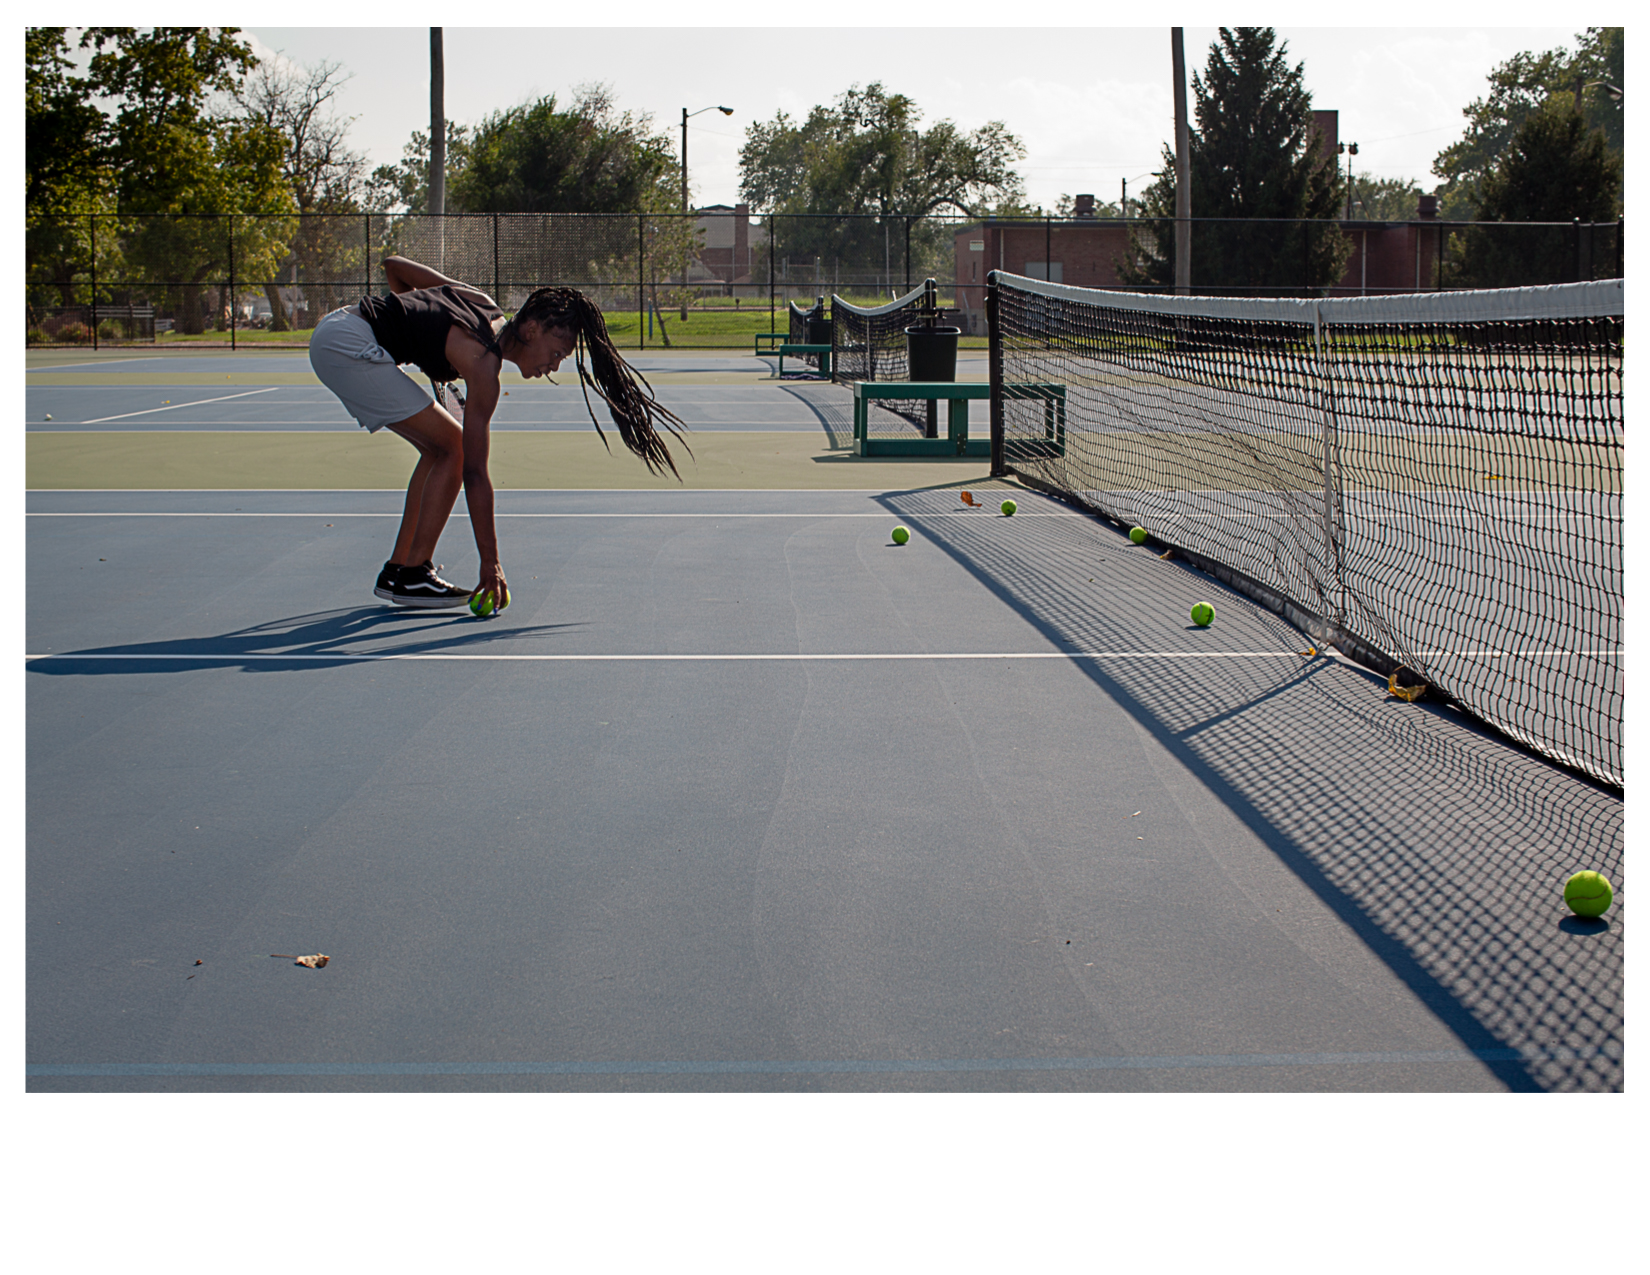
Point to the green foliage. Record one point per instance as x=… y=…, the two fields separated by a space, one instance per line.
x=1555 y=168
x=67 y=168
x=1518 y=88
x=590 y=158
x=1384 y=198
x=1254 y=156
x=180 y=167
x=405 y=186
x=866 y=154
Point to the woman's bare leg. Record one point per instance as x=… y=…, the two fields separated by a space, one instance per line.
x=435 y=482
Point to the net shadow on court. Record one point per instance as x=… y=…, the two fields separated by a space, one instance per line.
x=1442 y=847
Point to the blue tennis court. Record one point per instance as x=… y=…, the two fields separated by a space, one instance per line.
x=739 y=795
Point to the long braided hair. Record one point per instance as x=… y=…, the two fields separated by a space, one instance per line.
x=629 y=398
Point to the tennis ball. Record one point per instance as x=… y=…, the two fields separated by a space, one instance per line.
x=1138 y=535
x=1588 y=894
x=1008 y=508
x=901 y=535
x=482 y=603
x=1203 y=615
x=48 y=416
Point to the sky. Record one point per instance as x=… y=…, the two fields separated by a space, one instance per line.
x=1093 y=105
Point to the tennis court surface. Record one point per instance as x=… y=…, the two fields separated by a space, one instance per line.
x=738 y=794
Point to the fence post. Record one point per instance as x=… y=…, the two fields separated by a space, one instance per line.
x=231 y=281
x=907 y=287
x=772 y=247
x=497 y=297
x=366 y=253
x=92 y=217
x=1621 y=235
x=641 y=281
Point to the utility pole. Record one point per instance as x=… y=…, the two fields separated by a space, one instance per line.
x=438 y=126
x=1182 y=169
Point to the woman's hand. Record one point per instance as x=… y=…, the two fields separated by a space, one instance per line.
x=492 y=581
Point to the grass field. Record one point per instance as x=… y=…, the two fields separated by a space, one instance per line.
x=706 y=328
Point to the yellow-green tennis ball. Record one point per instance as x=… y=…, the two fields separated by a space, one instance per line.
x=1008 y=508
x=482 y=603
x=48 y=416
x=1588 y=894
x=901 y=535
x=1138 y=535
x=1203 y=615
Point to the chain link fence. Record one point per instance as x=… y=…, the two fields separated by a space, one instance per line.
x=718 y=277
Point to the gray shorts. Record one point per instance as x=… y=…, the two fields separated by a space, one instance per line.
x=351 y=363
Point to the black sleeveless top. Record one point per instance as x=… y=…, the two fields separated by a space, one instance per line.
x=413 y=326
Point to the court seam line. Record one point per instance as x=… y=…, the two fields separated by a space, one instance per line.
x=254 y=513
x=173 y=407
x=363 y=657
x=828 y=1066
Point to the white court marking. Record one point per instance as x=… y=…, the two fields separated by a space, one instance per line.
x=172 y=407
x=779 y=657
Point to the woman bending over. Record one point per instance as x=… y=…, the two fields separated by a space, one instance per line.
x=452 y=331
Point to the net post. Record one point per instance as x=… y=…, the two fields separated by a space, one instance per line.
x=994 y=346
x=1334 y=585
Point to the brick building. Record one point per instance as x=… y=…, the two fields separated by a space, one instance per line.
x=731 y=244
x=1085 y=250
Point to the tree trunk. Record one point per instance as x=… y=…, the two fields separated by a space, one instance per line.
x=278 y=319
x=186 y=313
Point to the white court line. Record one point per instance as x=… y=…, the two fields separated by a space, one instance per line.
x=775 y=657
x=64 y=367
x=175 y=406
x=242 y=513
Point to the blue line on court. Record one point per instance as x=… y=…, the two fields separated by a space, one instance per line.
x=822 y=1067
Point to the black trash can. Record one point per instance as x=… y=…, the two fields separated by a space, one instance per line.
x=931 y=353
x=819 y=328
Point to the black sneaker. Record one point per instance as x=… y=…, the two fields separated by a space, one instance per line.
x=385 y=587
x=420 y=586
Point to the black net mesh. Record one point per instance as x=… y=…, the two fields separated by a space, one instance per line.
x=1437 y=479
x=868 y=344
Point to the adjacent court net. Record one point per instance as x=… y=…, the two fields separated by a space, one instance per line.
x=800 y=329
x=869 y=345
x=1434 y=479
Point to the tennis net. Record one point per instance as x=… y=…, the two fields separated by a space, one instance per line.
x=868 y=344
x=1430 y=482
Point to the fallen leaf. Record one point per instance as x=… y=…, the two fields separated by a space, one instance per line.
x=200 y=962
x=318 y=961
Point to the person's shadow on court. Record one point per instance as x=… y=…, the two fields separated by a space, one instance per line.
x=320 y=639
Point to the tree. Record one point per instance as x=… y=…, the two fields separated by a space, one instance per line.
x=588 y=158
x=405 y=185
x=1518 y=88
x=1555 y=168
x=326 y=177
x=67 y=173
x=866 y=154
x=1254 y=155
x=1385 y=198
x=202 y=189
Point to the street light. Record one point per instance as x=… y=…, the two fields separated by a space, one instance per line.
x=726 y=110
x=1611 y=89
x=1349 y=149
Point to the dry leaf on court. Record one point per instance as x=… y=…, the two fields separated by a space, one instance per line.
x=318 y=961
